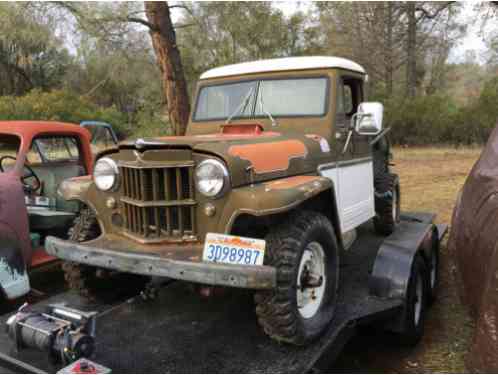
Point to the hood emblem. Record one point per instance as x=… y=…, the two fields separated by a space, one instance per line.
x=141 y=143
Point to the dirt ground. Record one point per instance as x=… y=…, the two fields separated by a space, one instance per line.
x=430 y=180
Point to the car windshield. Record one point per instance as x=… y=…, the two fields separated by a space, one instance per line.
x=9 y=147
x=53 y=149
x=281 y=97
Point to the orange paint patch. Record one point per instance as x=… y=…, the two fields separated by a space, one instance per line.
x=290 y=183
x=271 y=156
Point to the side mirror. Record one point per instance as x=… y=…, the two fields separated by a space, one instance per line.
x=368 y=119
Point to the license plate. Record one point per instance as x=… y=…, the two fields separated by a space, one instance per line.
x=222 y=248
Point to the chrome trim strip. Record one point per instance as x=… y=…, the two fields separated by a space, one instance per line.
x=344 y=163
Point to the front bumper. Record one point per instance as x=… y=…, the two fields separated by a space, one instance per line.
x=247 y=277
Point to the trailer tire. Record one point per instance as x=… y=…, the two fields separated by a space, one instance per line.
x=90 y=282
x=387 y=203
x=416 y=303
x=302 y=247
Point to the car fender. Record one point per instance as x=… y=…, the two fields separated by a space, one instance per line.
x=273 y=197
x=14 y=280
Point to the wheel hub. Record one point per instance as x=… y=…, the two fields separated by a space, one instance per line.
x=311 y=280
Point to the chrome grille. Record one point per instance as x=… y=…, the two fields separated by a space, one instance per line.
x=158 y=202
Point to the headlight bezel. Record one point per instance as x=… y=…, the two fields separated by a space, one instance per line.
x=225 y=178
x=114 y=166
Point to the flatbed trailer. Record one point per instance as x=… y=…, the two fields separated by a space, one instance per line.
x=181 y=332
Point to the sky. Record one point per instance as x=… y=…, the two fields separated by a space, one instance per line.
x=472 y=41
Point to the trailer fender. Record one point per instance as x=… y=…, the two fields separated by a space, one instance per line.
x=14 y=280
x=393 y=265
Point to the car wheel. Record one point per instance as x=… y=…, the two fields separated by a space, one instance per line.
x=416 y=303
x=304 y=250
x=90 y=282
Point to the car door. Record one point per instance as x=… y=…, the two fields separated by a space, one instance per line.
x=353 y=170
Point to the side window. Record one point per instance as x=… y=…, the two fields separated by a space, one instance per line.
x=353 y=95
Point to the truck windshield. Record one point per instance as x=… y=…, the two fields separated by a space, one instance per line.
x=9 y=146
x=281 y=97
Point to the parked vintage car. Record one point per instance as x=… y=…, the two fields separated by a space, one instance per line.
x=35 y=158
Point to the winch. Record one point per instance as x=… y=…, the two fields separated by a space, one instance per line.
x=64 y=333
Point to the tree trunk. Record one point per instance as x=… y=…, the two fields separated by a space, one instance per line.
x=411 y=66
x=173 y=81
x=389 y=49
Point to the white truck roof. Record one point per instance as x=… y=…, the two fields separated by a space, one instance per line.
x=283 y=64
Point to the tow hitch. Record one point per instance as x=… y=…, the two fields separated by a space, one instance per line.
x=65 y=334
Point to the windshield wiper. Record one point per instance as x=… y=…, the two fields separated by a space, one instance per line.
x=242 y=105
x=273 y=122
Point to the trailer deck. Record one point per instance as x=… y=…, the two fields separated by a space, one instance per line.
x=180 y=331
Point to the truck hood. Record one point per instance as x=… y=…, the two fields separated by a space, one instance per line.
x=250 y=157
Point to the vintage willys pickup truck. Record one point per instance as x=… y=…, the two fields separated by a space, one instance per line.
x=281 y=162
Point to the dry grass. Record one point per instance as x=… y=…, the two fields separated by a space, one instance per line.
x=430 y=180
x=431 y=177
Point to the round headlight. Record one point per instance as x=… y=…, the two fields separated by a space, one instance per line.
x=211 y=177
x=105 y=174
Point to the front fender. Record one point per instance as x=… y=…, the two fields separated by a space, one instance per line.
x=75 y=188
x=272 y=197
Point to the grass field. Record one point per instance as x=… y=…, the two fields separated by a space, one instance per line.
x=430 y=180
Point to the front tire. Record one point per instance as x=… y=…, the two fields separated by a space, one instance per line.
x=304 y=250
x=93 y=283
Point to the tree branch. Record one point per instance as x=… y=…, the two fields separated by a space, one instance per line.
x=142 y=22
x=428 y=15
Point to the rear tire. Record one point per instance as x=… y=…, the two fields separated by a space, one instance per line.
x=304 y=250
x=416 y=303
x=387 y=203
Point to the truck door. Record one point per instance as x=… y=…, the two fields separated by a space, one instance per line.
x=353 y=171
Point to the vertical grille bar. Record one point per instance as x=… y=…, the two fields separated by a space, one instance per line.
x=179 y=189
x=168 y=221
x=137 y=184
x=155 y=195
x=191 y=181
x=179 y=196
x=167 y=192
x=143 y=183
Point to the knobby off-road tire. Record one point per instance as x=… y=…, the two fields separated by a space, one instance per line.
x=79 y=277
x=90 y=282
x=289 y=248
x=387 y=203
